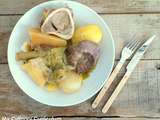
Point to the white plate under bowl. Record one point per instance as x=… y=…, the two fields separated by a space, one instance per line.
x=83 y=16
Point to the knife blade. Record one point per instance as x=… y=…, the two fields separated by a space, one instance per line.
x=139 y=54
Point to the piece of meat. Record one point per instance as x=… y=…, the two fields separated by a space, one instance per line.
x=83 y=56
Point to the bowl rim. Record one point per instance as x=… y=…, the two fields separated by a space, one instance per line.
x=106 y=27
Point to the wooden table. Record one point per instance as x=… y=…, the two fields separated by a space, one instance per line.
x=139 y=99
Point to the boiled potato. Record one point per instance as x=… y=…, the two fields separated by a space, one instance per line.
x=88 y=32
x=71 y=82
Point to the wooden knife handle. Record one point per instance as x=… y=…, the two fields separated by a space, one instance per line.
x=115 y=93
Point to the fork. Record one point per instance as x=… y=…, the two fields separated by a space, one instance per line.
x=126 y=53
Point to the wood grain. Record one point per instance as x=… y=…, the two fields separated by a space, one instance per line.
x=7 y=23
x=123 y=28
x=109 y=118
x=78 y=118
x=139 y=97
x=101 y=6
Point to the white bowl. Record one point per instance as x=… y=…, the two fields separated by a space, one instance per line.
x=83 y=16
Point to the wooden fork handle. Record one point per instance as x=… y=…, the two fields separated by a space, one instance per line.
x=107 y=84
x=115 y=93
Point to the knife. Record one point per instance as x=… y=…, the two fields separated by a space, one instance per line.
x=139 y=54
x=130 y=67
